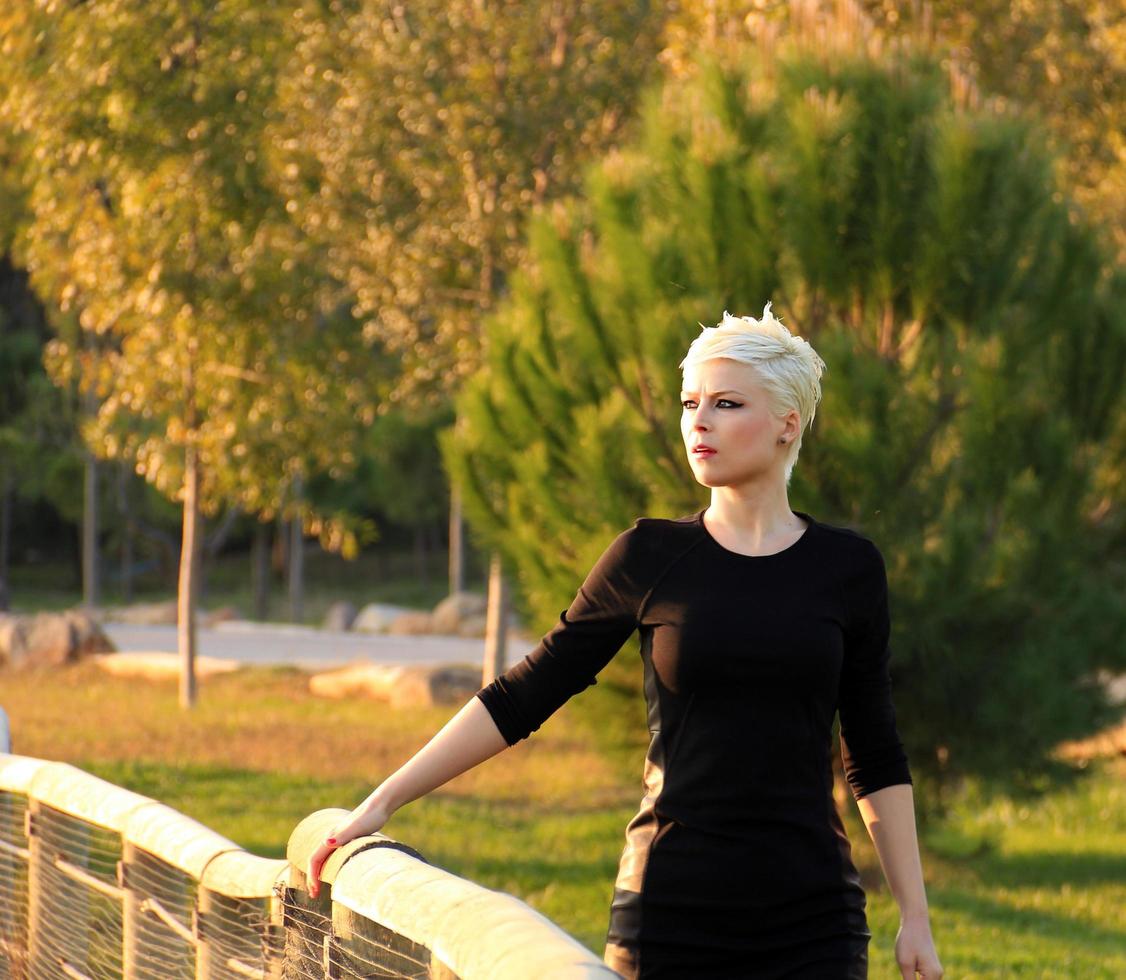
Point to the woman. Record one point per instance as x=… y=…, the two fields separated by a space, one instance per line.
x=758 y=623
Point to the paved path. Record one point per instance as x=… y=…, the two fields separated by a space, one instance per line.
x=306 y=646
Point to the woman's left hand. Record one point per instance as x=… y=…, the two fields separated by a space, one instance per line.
x=914 y=949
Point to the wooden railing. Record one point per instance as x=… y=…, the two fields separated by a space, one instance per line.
x=99 y=882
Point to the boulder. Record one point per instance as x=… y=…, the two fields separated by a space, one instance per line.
x=376 y=617
x=473 y=625
x=50 y=639
x=412 y=623
x=400 y=686
x=340 y=616
x=449 y=613
x=160 y=666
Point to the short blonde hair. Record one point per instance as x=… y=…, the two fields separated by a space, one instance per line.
x=786 y=366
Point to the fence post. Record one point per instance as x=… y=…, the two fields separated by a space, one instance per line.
x=203 y=951
x=130 y=913
x=35 y=964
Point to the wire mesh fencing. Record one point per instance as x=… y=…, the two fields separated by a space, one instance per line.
x=98 y=883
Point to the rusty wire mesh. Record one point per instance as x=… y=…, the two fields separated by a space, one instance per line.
x=314 y=948
x=13 y=887
x=78 y=910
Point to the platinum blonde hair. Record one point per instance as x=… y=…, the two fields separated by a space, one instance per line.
x=786 y=366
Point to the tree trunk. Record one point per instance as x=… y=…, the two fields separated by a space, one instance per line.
x=128 y=532
x=6 y=493
x=296 y=562
x=260 y=570
x=457 y=564
x=420 y=553
x=496 y=623
x=90 y=584
x=189 y=568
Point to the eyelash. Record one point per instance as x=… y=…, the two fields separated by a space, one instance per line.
x=684 y=403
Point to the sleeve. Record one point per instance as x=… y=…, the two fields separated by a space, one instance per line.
x=589 y=632
x=871 y=749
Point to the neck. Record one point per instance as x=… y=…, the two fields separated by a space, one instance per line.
x=756 y=517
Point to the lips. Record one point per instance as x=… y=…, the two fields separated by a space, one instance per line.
x=702 y=450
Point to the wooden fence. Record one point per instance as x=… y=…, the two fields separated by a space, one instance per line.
x=99 y=882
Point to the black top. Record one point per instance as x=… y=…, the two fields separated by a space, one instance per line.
x=746 y=661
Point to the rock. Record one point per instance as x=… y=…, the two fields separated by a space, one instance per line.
x=49 y=639
x=449 y=613
x=411 y=623
x=401 y=687
x=376 y=617
x=473 y=625
x=88 y=635
x=160 y=666
x=340 y=616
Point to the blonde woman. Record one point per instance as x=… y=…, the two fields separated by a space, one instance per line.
x=758 y=623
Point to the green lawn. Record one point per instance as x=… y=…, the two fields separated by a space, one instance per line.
x=1016 y=889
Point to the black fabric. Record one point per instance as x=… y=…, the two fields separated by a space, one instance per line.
x=737 y=859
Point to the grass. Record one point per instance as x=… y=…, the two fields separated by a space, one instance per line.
x=1015 y=889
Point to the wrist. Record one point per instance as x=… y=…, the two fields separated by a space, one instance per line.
x=383 y=799
x=915 y=914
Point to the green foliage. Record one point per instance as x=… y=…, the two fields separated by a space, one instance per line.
x=414 y=137
x=157 y=226
x=975 y=337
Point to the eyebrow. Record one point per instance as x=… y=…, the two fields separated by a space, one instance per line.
x=725 y=391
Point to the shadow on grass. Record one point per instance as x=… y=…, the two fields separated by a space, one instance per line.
x=1035 y=924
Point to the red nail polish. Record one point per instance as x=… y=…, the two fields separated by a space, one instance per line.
x=332 y=840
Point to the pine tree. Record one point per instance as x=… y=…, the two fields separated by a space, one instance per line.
x=975 y=336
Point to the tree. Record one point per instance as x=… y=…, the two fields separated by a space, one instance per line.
x=156 y=220
x=975 y=334
x=415 y=137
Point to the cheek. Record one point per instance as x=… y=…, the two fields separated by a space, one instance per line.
x=750 y=428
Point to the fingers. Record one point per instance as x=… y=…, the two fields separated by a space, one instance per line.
x=316 y=863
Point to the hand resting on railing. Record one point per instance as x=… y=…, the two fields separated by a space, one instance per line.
x=467 y=739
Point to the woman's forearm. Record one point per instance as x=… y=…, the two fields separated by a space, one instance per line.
x=889 y=815
x=467 y=739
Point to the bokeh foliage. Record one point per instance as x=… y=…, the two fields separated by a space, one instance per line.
x=975 y=333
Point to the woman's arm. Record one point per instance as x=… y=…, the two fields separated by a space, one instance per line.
x=889 y=815
x=467 y=739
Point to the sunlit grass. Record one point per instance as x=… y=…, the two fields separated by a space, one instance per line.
x=1016 y=889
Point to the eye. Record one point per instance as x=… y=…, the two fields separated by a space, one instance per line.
x=686 y=401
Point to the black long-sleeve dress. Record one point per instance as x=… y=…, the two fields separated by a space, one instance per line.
x=736 y=863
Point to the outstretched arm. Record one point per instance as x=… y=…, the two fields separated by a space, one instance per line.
x=466 y=740
x=889 y=815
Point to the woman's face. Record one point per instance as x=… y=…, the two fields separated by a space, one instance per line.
x=724 y=407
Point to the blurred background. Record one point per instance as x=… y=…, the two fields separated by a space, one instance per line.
x=322 y=315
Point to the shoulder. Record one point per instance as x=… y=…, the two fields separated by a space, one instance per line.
x=855 y=557
x=650 y=543
x=665 y=535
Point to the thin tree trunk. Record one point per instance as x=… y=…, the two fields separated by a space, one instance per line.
x=189 y=568
x=296 y=563
x=420 y=562
x=496 y=622
x=457 y=564
x=90 y=584
x=260 y=570
x=128 y=531
x=6 y=494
